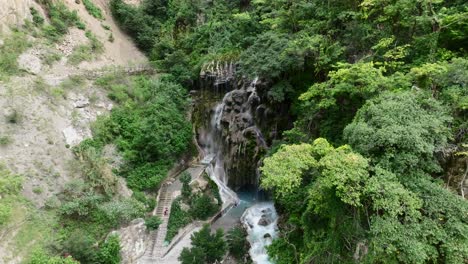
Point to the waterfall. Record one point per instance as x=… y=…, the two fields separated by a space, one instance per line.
x=214 y=156
x=232 y=146
x=260 y=221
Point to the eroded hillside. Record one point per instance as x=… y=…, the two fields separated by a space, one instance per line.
x=48 y=100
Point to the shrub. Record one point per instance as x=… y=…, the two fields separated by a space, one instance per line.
x=13 y=46
x=38 y=20
x=237 y=242
x=206 y=247
x=61 y=18
x=93 y=9
x=81 y=246
x=5 y=212
x=109 y=252
x=82 y=206
x=80 y=54
x=177 y=219
x=152 y=222
x=41 y=257
x=149 y=202
x=202 y=207
x=5 y=140
x=185 y=178
x=119 y=212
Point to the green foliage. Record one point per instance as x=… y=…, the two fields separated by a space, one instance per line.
x=86 y=52
x=151 y=130
x=93 y=9
x=10 y=184
x=61 y=19
x=283 y=171
x=237 y=243
x=38 y=20
x=13 y=46
x=109 y=251
x=152 y=222
x=400 y=131
x=202 y=207
x=118 y=212
x=206 y=247
x=185 y=178
x=177 y=219
x=41 y=257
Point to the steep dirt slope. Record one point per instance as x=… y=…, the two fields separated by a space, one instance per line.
x=54 y=105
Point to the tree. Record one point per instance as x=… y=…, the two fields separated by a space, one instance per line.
x=283 y=171
x=206 y=247
x=185 y=178
x=400 y=132
x=237 y=242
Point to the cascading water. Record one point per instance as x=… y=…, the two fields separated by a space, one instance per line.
x=260 y=220
x=232 y=144
x=213 y=157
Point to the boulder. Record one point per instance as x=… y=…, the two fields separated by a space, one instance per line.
x=132 y=240
x=30 y=63
x=71 y=135
x=81 y=102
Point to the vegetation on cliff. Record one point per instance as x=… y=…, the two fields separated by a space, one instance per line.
x=371 y=167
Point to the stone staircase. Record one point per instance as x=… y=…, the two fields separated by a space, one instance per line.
x=156 y=248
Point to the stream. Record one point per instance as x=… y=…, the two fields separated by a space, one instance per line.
x=256 y=213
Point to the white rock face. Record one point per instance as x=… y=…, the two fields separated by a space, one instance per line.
x=72 y=137
x=30 y=63
x=81 y=102
x=132 y=241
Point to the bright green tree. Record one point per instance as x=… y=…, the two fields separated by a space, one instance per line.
x=206 y=247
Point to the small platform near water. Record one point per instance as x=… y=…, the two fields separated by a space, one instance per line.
x=208 y=159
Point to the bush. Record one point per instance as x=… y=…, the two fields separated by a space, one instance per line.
x=202 y=207
x=5 y=140
x=177 y=219
x=206 y=247
x=185 y=178
x=81 y=246
x=38 y=20
x=5 y=212
x=109 y=252
x=237 y=242
x=41 y=257
x=61 y=18
x=115 y=213
x=80 y=54
x=149 y=202
x=13 y=46
x=82 y=206
x=93 y=9
x=152 y=222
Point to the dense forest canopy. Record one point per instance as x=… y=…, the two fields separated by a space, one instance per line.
x=372 y=168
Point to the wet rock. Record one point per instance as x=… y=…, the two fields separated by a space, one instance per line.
x=238 y=96
x=266 y=218
x=267 y=235
x=264 y=221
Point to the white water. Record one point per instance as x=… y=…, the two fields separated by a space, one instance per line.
x=214 y=156
x=260 y=236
